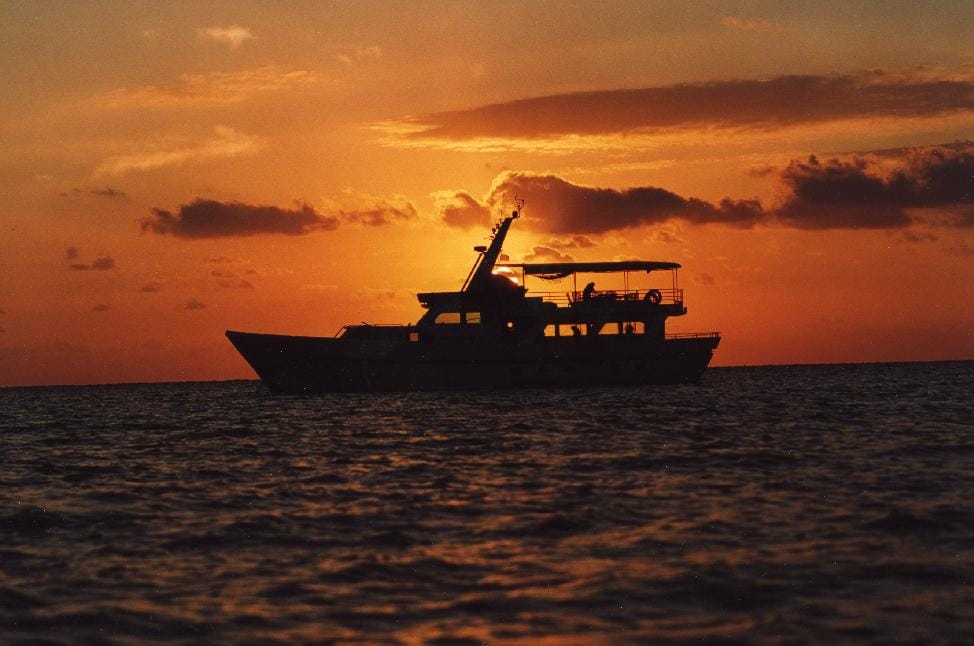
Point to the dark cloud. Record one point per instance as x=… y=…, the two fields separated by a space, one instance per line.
x=108 y=192
x=71 y=253
x=380 y=214
x=547 y=254
x=459 y=209
x=781 y=101
x=101 y=264
x=558 y=206
x=857 y=193
x=930 y=185
x=152 y=287
x=102 y=307
x=213 y=219
x=194 y=304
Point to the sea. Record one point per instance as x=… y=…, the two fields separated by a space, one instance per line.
x=772 y=505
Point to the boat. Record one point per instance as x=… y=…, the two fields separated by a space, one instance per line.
x=494 y=333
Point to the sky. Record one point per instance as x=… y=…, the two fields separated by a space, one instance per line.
x=169 y=171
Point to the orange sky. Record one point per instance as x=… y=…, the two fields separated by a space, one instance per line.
x=171 y=171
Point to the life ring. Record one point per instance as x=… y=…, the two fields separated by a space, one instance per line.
x=654 y=296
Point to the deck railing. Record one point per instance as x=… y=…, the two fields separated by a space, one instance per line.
x=566 y=299
x=694 y=335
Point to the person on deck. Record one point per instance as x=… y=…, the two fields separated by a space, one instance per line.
x=588 y=291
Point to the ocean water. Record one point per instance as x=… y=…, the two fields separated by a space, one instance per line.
x=771 y=505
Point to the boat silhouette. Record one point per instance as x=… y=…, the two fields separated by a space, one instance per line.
x=494 y=333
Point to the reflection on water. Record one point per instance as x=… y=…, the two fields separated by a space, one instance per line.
x=772 y=504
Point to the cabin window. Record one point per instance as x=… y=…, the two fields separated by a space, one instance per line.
x=414 y=337
x=448 y=318
x=458 y=318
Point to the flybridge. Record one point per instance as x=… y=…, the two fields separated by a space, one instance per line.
x=562 y=269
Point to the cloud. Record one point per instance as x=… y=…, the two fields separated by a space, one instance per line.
x=234 y=36
x=204 y=90
x=229 y=280
x=748 y=24
x=547 y=254
x=857 y=193
x=108 y=192
x=194 y=304
x=577 y=242
x=918 y=237
x=152 y=287
x=212 y=219
x=777 y=102
x=353 y=54
x=669 y=233
x=932 y=185
x=104 y=263
x=101 y=307
x=380 y=213
x=460 y=209
x=227 y=143
x=558 y=206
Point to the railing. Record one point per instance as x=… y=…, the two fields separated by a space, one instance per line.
x=694 y=335
x=562 y=299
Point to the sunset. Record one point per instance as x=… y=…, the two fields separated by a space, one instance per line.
x=453 y=322
x=171 y=172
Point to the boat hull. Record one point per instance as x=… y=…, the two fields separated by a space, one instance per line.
x=297 y=365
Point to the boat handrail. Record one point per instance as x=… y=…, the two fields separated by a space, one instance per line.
x=694 y=335
x=668 y=296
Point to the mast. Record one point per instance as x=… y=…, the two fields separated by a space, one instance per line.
x=480 y=277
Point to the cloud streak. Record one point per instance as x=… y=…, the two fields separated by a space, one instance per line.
x=234 y=36
x=105 y=263
x=777 y=102
x=205 y=90
x=213 y=219
x=227 y=143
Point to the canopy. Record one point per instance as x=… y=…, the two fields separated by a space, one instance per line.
x=554 y=270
